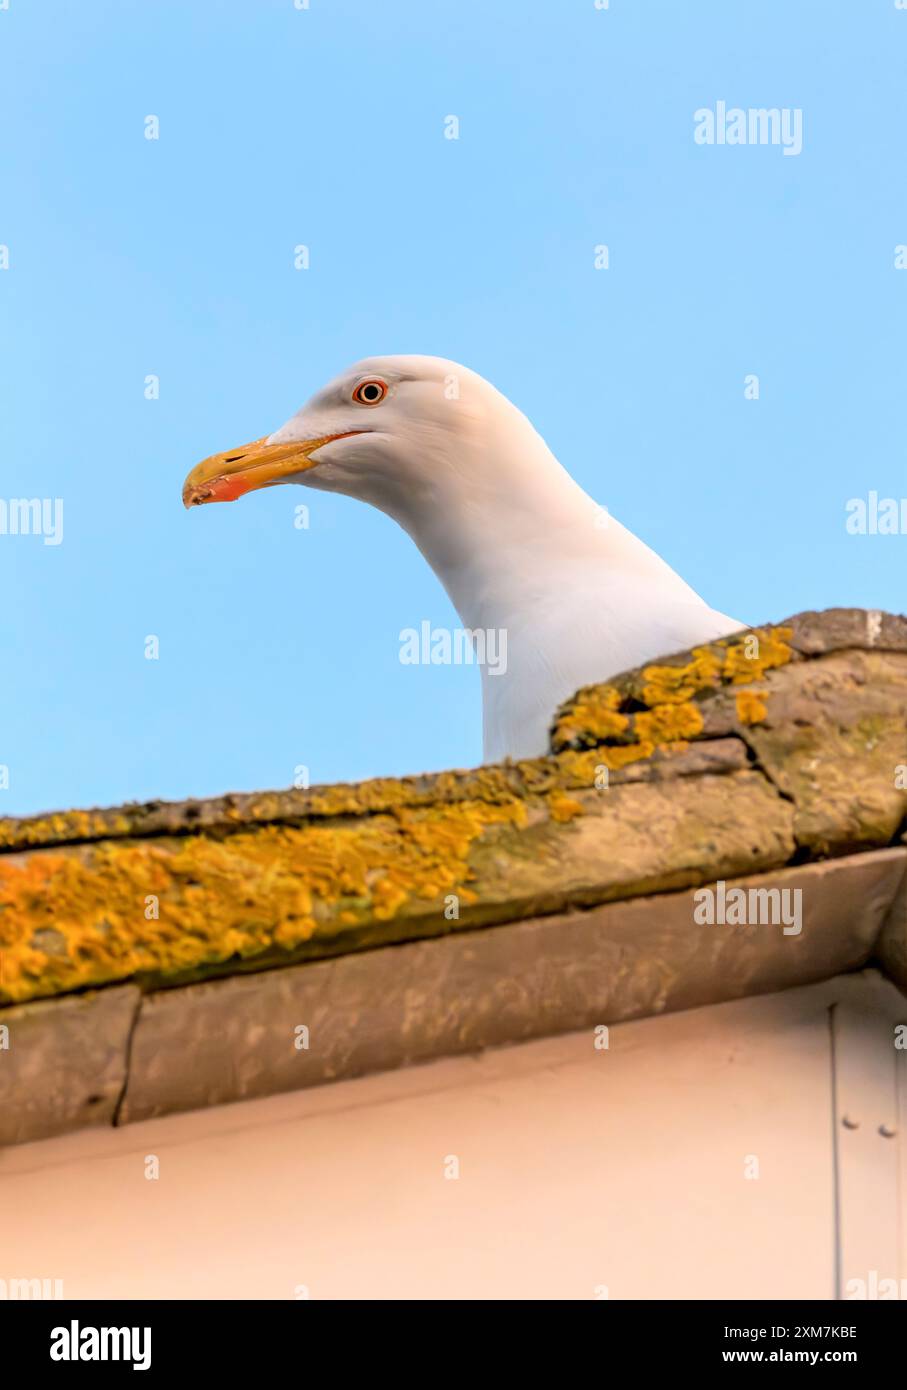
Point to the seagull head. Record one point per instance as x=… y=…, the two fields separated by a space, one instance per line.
x=393 y=431
x=516 y=542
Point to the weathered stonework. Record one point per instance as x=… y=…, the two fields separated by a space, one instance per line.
x=64 y=1063
x=821 y=705
x=891 y=948
x=760 y=754
x=496 y=985
x=282 y=893
x=804 y=738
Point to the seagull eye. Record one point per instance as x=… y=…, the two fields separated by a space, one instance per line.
x=370 y=392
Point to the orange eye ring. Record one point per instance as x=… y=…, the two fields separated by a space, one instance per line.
x=371 y=392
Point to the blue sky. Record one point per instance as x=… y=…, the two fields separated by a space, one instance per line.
x=325 y=127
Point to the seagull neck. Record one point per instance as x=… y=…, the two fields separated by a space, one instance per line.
x=506 y=548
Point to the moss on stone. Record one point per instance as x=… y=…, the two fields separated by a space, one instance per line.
x=160 y=893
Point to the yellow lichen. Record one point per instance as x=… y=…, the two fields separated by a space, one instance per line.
x=668 y=723
x=626 y=753
x=677 y=684
x=61 y=825
x=592 y=716
x=751 y=706
x=599 y=714
x=762 y=649
x=172 y=906
x=563 y=808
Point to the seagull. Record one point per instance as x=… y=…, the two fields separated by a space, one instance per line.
x=525 y=555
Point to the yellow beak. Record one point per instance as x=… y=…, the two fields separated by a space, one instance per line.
x=224 y=477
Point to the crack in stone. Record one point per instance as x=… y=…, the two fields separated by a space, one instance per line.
x=127 y=1062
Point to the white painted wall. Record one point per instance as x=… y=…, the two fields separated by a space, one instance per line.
x=578 y=1169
